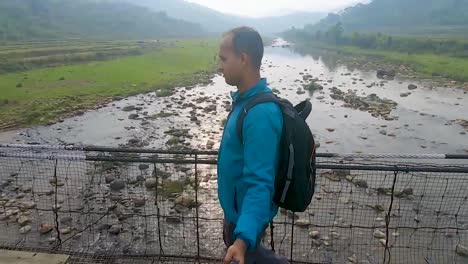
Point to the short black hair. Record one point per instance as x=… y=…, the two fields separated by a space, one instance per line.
x=248 y=40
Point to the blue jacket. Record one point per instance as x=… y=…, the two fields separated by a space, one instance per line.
x=246 y=172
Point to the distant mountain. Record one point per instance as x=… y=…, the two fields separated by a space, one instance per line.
x=45 y=19
x=216 y=22
x=401 y=17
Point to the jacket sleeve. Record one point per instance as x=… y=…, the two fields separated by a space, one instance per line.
x=261 y=137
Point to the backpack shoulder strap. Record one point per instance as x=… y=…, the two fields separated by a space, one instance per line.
x=258 y=99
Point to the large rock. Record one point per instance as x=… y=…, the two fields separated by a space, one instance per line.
x=209 y=144
x=386 y=74
x=151 y=183
x=302 y=223
x=133 y=116
x=23 y=220
x=186 y=200
x=117 y=185
x=143 y=166
x=332 y=176
x=412 y=87
x=28 y=205
x=313 y=86
x=109 y=179
x=360 y=183
x=66 y=220
x=139 y=201
x=128 y=108
x=115 y=229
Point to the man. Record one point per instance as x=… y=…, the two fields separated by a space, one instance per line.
x=247 y=168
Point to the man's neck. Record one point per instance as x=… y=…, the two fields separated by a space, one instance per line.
x=248 y=83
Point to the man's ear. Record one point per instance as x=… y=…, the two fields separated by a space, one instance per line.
x=245 y=59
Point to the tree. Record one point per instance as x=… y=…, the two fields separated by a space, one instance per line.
x=335 y=33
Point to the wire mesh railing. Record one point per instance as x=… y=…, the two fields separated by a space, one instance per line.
x=100 y=205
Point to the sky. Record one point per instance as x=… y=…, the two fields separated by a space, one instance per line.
x=260 y=8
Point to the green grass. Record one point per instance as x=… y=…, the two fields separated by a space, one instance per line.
x=428 y=65
x=44 y=97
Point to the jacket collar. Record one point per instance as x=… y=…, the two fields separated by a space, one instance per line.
x=260 y=87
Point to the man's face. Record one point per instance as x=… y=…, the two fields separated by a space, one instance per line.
x=230 y=63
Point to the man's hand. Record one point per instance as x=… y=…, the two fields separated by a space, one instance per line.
x=236 y=252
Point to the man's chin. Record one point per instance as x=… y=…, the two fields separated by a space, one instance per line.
x=229 y=82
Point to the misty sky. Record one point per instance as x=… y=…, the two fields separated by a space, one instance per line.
x=258 y=8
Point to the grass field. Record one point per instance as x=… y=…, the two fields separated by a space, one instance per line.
x=428 y=65
x=46 y=93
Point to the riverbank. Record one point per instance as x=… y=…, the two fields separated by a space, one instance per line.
x=45 y=96
x=446 y=70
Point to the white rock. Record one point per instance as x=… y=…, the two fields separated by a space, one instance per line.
x=352 y=259
x=302 y=222
x=335 y=235
x=25 y=229
x=23 y=220
x=383 y=242
x=314 y=234
x=29 y=205
x=462 y=250
x=379 y=234
x=65 y=231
